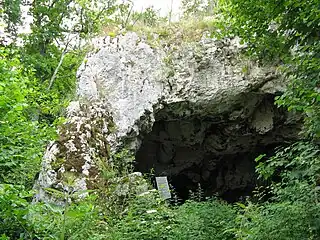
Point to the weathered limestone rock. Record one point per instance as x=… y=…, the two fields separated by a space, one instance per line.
x=71 y=163
x=77 y=160
x=202 y=78
x=196 y=112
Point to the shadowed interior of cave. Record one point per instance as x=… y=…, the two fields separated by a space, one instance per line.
x=218 y=154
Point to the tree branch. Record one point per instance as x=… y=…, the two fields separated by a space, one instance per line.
x=59 y=64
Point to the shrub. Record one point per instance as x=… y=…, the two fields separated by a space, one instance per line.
x=204 y=220
x=13 y=211
x=284 y=220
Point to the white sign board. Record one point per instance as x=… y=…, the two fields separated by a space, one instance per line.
x=163 y=187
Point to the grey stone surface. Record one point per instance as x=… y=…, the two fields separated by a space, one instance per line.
x=206 y=96
x=202 y=78
x=71 y=163
x=125 y=73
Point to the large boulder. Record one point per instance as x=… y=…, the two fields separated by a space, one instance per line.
x=202 y=78
x=197 y=112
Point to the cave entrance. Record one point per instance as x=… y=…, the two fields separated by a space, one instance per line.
x=219 y=154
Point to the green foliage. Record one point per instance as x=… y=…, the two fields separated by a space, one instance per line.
x=295 y=171
x=303 y=94
x=286 y=33
x=298 y=162
x=128 y=18
x=21 y=220
x=53 y=47
x=281 y=220
x=11 y=14
x=147 y=217
x=13 y=211
x=204 y=220
x=149 y=16
x=51 y=102
x=36 y=82
x=57 y=20
x=77 y=220
x=38 y=79
x=22 y=137
x=123 y=162
x=197 y=8
x=292 y=212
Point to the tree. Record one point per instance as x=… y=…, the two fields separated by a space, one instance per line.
x=10 y=13
x=38 y=77
x=21 y=138
x=286 y=33
x=198 y=8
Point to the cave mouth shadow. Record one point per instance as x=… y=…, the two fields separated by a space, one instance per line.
x=217 y=151
x=234 y=179
x=195 y=152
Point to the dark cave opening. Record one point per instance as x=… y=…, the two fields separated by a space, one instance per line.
x=233 y=179
x=218 y=154
x=226 y=174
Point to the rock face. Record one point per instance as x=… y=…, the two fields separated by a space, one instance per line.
x=216 y=151
x=196 y=112
x=72 y=162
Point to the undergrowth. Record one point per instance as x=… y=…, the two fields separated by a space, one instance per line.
x=32 y=95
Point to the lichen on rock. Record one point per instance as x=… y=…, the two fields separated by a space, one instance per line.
x=71 y=162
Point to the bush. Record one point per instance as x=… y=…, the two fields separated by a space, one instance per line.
x=204 y=220
x=13 y=211
x=73 y=221
x=148 y=217
x=283 y=220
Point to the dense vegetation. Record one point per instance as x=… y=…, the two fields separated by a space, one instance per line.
x=37 y=79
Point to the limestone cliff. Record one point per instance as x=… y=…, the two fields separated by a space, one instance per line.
x=196 y=112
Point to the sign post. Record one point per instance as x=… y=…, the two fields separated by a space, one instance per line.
x=163 y=187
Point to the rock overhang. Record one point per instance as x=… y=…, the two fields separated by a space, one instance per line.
x=218 y=150
x=141 y=87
